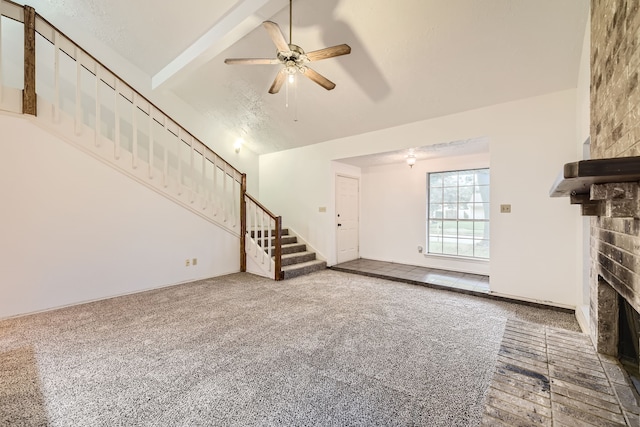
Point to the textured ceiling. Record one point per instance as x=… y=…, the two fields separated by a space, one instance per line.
x=148 y=33
x=411 y=59
x=447 y=149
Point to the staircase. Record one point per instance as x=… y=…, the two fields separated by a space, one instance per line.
x=109 y=120
x=296 y=259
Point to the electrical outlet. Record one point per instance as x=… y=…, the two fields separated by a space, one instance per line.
x=194 y=261
x=187 y=263
x=505 y=208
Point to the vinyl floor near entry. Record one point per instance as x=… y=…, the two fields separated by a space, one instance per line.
x=464 y=282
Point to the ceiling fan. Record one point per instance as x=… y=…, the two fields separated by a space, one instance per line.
x=293 y=57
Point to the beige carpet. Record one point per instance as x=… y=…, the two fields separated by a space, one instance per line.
x=330 y=348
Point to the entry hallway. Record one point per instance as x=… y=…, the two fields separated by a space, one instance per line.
x=330 y=348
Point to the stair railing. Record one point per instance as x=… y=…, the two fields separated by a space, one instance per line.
x=91 y=107
x=263 y=237
x=78 y=97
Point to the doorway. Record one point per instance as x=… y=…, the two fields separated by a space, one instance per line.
x=347 y=218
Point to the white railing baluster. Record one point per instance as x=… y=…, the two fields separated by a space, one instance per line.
x=78 y=118
x=203 y=181
x=233 y=204
x=262 y=234
x=150 y=141
x=56 y=87
x=166 y=154
x=255 y=221
x=134 y=128
x=224 y=194
x=249 y=225
x=116 y=115
x=192 y=181
x=179 y=140
x=220 y=200
x=216 y=199
x=97 y=105
x=269 y=241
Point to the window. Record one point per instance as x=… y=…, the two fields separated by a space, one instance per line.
x=458 y=213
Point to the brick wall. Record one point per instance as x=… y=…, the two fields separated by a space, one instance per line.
x=615 y=132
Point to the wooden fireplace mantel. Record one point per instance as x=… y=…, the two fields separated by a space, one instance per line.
x=577 y=177
x=604 y=187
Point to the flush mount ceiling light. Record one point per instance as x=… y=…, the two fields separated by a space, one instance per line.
x=411 y=160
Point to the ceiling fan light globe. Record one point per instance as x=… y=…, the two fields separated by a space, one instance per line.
x=293 y=57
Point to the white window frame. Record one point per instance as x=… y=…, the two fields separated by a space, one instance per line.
x=472 y=240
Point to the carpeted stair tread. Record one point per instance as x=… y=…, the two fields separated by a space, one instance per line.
x=258 y=233
x=297 y=258
x=303 y=268
x=286 y=240
x=291 y=248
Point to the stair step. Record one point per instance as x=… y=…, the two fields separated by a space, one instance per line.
x=285 y=232
x=303 y=268
x=297 y=258
x=290 y=248
x=285 y=240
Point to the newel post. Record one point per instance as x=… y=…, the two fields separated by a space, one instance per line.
x=278 y=249
x=29 y=92
x=243 y=224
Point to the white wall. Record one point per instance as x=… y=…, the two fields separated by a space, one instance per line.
x=75 y=230
x=394 y=211
x=532 y=249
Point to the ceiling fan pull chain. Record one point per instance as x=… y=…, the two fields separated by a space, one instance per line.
x=295 y=100
x=286 y=97
x=293 y=57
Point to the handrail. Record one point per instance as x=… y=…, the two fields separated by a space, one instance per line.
x=263 y=234
x=186 y=184
x=17 y=8
x=138 y=94
x=188 y=169
x=261 y=206
x=93 y=58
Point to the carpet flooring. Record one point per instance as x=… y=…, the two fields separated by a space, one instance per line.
x=326 y=349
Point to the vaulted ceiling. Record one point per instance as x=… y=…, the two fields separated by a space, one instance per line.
x=411 y=59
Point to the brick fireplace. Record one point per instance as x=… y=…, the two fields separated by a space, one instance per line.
x=615 y=133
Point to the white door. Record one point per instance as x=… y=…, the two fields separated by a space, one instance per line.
x=347 y=202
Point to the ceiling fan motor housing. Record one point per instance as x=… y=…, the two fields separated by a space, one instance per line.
x=295 y=54
x=294 y=58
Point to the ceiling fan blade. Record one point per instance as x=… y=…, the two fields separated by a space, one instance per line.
x=252 y=61
x=329 y=52
x=277 y=83
x=276 y=35
x=319 y=78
